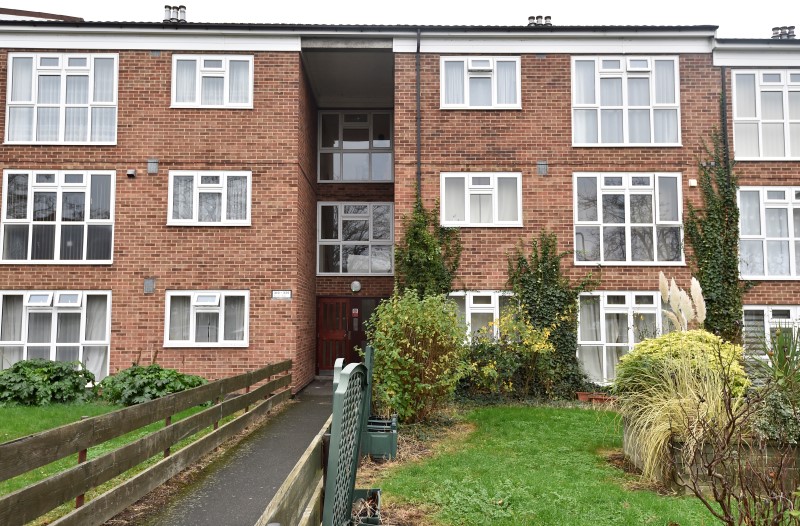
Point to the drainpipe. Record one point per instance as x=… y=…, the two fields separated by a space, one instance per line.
x=419 y=126
x=724 y=117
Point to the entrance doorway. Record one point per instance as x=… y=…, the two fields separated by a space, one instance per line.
x=340 y=329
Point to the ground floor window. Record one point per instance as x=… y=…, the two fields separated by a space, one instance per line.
x=479 y=308
x=610 y=324
x=207 y=318
x=761 y=322
x=56 y=325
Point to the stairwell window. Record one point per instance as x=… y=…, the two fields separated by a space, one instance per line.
x=480 y=82
x=766 y=109
x=212 y=81
x=207 y=318
x=62 y=99
x=209 y=198
x=625 y=101
x=355 y=238
x=481 y=199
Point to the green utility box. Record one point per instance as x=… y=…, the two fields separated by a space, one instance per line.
x=379 y=439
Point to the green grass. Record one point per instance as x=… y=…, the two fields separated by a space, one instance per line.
x=536 y=466
x=20 y=421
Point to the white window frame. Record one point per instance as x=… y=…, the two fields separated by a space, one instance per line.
x=55 y=309
x=198 y=188
x=469 y=72
x=770 y=322
x=195 y=307
x=472 y=189
x=627 y=189
x=58 y=187
x=790 y=203
x=223 y=72
x=630 y=308
x=470 y=307
x=338 y=152
x=784 y=87
x=340 y=242
x=63 y=69
x=625 y=72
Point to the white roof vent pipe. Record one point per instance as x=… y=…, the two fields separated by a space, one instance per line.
x=174 y=14
x=167 y=13
x=539 y=20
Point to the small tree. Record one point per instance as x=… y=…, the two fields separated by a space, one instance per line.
x=550 y=302
x=713 y=234
x=428 y=257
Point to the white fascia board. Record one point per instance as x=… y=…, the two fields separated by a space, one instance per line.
x=579 y=43
x=749 y=55
x=166 y=39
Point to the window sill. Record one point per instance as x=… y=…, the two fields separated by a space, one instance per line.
x=767 y=159
x=481 y=108
x=213 y=225
x=627 y=145
x=352 y=275
x=56 y=143
x=352 y=181
x=191 y=345
x=51 y=262
x=199 y=107
x=629 y=263
x=769 y=278
x=481 y=225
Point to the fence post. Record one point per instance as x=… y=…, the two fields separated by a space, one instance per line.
x=167 y=422
x=81 y=459
x=216 y=422
x=247 y=408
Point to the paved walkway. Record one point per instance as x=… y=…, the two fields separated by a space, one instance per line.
x=235 y=490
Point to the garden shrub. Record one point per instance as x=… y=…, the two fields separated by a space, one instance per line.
x=142 y=383
x=41 y=382
x=419 y=354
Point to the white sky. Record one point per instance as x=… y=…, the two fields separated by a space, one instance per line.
x=735 y=18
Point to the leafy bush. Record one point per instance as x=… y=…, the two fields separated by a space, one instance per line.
x=419 y=354
x=142 y=383
x=41 y=382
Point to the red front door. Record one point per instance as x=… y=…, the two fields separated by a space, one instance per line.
x=340 y=329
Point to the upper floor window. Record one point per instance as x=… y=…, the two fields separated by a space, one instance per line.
x=479 y=309
x=207 y=318
x=766 y=114
x=62 y=98
x=480 y=83
x=631 y=101
x=54 y=216
x=769 y=225
x=610 y=324
x=209 y=198
x=355 y=146
x=212 y=81
x=628 y=218
x=481 y=199
x=64 y=326
x=355 y=238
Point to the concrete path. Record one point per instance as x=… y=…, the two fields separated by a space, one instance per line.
x=235 y=490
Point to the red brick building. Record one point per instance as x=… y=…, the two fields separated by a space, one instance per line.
x=225 y=195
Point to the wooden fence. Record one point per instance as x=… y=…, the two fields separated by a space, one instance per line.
x=31 y=452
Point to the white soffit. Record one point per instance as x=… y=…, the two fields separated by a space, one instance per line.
x=748 y=55
x=583 y=43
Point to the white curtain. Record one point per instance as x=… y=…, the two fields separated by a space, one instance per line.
x=212 y=89
x=507 y=199
x=454 y=199
x=668 y=198
x=179 y=316
x=638 y=91
x=100 y=207
x=207 y=327
x=239 y=89
x=209 y=207
x=794 y=136
x=616 y=328
x=22 y=79
x=772 y=105
x=47 y=124
x=585 y=126
x=745 y=135
x=95 y=359
x=584 y=81
x=590 y=319
x=665 y=82
x=480 y=208
x=480 y=91
x=611 y=92
x=96 y=315
x=68 y=327
x=186 y=81
x=639 y=126
x=39 y=326
x=103 y=80
x=751 y=257
x=77 y=124
x=20 y=123
x=454 y=82
x=666 y=126
x=745 y=96
x=777 y=222
x=237 y=198
x=49 y=89
x=77 y=89
x=9 y=355
x=778 y=258
x=183 y=197
x=234 y=318
x=11 y=326
x=611 y=126
x=104 y=124
x=506 y=82
x=773 y=144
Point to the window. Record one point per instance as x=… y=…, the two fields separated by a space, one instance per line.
x=769 y=225
x=52 y=216
x=212 y=81
x=480 y=83
x=481 y=199
x=630 y=101
x=207 y=318
x=610 y=324
x=761 y=322
x=64 y=326
x=56 y=98
x=480 y=308
x=628 y=218
x=766 y=114
x=355 y=238
x=355 y=146
x=209 y=198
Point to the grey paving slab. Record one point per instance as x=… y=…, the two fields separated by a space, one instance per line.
x=235 y=490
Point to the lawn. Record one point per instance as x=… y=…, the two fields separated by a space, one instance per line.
x=536 y=466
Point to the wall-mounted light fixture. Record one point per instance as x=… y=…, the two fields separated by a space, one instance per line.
x=355 y=286
x=131 y=173
x=152 y=166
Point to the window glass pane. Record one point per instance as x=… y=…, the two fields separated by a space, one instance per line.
x=584 y=81
x=506 y=82
x=454 y=82
x=612 y=181
x=745 y=85
x=49 y=91
x=587 y=243
x=611 y=92
x=183 y=197
x=72 y=242
x=207 y=327
x=355 y=139
x=234 y=318
x=611 y=64
x=212 y=64
x=614 y=244
x=68 y=327
x=95 y=359
x=38 y=353
x=665 y=81
x=98 y=245
x=641 y=208
x=356 y=118
x=381 y=130
x=507 y=199
x=104 y=80
x=329 y=258
x=616 y=327
x=43 y=244
x=591 y=360
x=669 y=243
x=640 y=181
x=639 y=126
x=39 y=327
x=745 y=137
x=330 y=167
x=613 y=355
x=585 y=126
x=665 y=126
x=329 y=134
x=237 y=198
x=9 y=355
x=668 y=204
x=778 y=258
x=211 y=91
x=104 y=124
x=20 y=124
x=480 y=320
x=355 y=259
x=209 y=207
x=239 y=85
x=355 y=230
x=794 y=137
x=73 y=206
x=754 y=332
x=186 y=81
x=329 y=222
x=179 y=316
x=381 y=166
x=77 y=124
x=381 y=259
x=773 y=139
x=794 y=105
x=772 y=105
x=639 y=91
x=611 y=126
x=454 y=200
x=779 y=195
x=47 y=120
x=480 y=208
x=639 y=63
x=480 y=181
x=587 y=198
x=11 y=327
x=751 y=257
x=17 y=196
x=613 y=208
x=777 y=221
x=15 y=242
x=589 y=319
x=100 y=207
x=771 y=77
x=77 y=89
x=96 y=315
x=382 y=222
x=21 y=79
x=642 y=243
x=209 y=180
x=44 y=206
x=480 y=91
x=356 y=166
